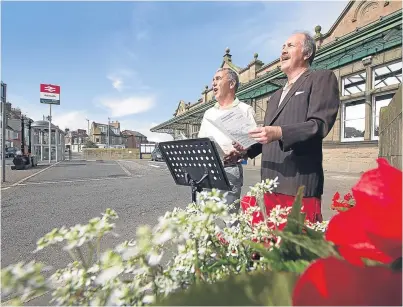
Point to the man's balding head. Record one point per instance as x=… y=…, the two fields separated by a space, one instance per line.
x=297 y=52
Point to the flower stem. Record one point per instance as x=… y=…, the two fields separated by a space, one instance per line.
x=72 y=255
x=81 y=256
x=99 y=247
x=91 y=256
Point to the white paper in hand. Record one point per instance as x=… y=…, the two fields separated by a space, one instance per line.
x=236 y=125
x=222 y=150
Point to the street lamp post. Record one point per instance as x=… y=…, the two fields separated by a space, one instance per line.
x=108 y=133
x=3 y=129
x=50 y=133
x=88 y=127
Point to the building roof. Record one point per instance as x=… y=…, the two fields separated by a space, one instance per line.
x=377 y=36
x=43 y=124
x=78 y=132
x=97 y=131
x=131 y=132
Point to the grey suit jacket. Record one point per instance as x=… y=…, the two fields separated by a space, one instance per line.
x=306 y=115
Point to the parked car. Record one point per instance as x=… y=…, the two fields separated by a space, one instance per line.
x=156 y=155
x=10 y=152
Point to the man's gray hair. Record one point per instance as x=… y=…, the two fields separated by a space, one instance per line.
x=309 y=46
x=232 y=76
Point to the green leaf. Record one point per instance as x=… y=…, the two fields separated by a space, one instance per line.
x=297 y=266
x=313 y=234
x=254 y=289
x=310 y=249
x=295 y=220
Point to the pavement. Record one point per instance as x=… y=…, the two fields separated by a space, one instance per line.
x=14 y=176
x=72 y=192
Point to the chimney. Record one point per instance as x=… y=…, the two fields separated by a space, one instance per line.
x=254 y=66
x=115 y=124
x=227 y=56
x=8 y=107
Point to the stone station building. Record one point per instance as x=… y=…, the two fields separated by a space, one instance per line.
x=363 y=48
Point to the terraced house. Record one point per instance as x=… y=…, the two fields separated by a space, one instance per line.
x=363 y=48
x=106 y=135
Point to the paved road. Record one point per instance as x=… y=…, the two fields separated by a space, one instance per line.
x=73 y=192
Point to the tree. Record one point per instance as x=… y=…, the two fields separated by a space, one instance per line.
x=90 y=144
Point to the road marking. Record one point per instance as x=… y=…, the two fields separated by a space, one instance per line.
x=157 y=166
x=76 y=180
x=5 y=188
x=124 y=168
x=30 y=176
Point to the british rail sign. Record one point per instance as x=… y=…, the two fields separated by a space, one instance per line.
x=50 y=94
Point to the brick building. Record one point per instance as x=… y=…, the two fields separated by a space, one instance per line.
x=133 y=139
x=105 y=135
x=13 y=129
x=75 y=140
x=363 y=48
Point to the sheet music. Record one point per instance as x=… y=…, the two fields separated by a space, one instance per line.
x=236 y=125
x=222 y=150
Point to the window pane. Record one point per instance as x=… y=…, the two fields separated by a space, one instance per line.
x=354 y=84
x=376 y=128
x=380 y=102
x=354 y=128
x=354 y=110
x=388 y=75
x=354 y=119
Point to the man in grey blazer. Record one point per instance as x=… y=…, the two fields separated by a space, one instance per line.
x=297 y=119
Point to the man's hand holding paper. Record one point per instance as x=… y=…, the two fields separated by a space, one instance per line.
x=237 y=154
x=236 y=125
x=266 y=134
x=263 y=135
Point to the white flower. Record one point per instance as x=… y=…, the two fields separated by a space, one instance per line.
x=154 y=259
x=108 y=274
x=148 y=299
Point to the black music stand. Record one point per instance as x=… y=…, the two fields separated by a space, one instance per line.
x=195 y=163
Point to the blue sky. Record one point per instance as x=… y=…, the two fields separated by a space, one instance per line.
x=134 y=61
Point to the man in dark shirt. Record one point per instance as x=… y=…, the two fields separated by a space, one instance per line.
x=298 y=118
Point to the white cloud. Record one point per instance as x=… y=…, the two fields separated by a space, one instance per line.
x=73 y=120
x=119 y=107
x=121 y=77
x=140 y=22
x=266 y=32
x=117 y=82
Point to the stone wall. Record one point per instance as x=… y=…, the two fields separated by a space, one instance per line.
x=390 y=131
x=111 y=153
x=361 y=14
x=350 y=158
x=345 y=158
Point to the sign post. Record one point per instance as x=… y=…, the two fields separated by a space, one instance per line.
x=50 y=94
x=3 y=129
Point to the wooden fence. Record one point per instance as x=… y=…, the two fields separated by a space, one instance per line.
x=390 y=131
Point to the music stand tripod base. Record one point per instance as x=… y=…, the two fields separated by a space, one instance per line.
x=195 y=163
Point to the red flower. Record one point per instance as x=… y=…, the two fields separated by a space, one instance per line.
x=336 y=197
x=373 y=227
x=342 y=205
x=348 y=197
x=333 y=282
